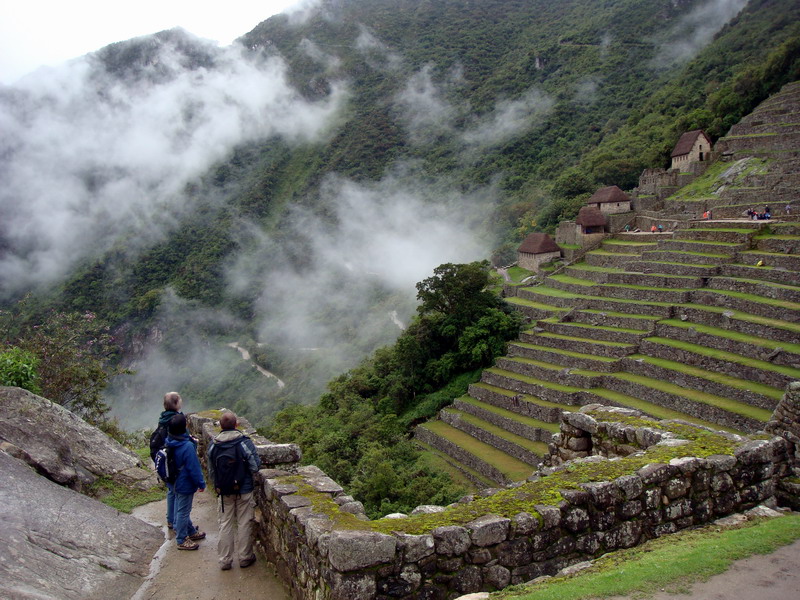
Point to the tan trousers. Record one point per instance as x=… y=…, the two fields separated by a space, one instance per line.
x=240 y=510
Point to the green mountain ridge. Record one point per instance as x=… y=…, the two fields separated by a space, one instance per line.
x=497 y=117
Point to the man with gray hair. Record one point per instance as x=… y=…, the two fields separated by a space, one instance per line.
x=232 y=459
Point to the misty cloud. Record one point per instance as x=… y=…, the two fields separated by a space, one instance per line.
x=89 y=156
x=424 y=108
x=377 y=54
x=362 y=259
x=695 y=30
x=316 y=54
x=510 y=118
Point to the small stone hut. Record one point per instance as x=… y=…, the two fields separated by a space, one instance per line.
x=535 y=250
x=591 y=221
x=610 y=200
x=693 y=146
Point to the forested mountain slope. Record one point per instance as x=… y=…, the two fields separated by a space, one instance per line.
x=346 y=151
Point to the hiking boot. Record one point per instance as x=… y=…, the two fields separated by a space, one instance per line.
x=198 y=535
x=226 y=567
x=188 y=545
x=247 y=562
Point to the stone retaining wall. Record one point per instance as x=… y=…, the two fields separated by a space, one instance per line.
x=325 y=549
x=495 y=441
x=535 y=434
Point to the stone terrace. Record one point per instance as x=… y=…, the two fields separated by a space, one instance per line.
x=679 y=325
x=701 y=323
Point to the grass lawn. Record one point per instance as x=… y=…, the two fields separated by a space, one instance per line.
x=672 y=562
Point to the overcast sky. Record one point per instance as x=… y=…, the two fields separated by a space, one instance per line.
x=49 y=32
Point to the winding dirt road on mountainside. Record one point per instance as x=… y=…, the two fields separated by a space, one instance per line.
x=195 y=575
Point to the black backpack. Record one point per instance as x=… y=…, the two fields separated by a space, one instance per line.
x=157 y=440
x=166 y=467
x=230 y=467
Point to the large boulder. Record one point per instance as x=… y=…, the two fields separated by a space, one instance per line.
x=58 y=543
x=62 y=446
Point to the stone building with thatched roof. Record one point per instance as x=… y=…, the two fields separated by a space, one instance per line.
x=535 y=250
x=610 y=200
x=693 y=146
x=590 y=221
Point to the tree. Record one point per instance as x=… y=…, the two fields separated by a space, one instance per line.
x=71 y=354
x=18 y=368
x=456 y=290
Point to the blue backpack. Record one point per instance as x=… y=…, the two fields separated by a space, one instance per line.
x=166 y=467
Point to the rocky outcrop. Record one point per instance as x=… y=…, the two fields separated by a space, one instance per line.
x=60 y=544
x=62 y=446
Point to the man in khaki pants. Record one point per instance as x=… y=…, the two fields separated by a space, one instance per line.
x=232 y=460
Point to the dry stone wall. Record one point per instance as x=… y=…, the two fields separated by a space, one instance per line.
x=614 y=479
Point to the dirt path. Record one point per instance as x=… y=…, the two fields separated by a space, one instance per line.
x=773 y=576
x=182 y=575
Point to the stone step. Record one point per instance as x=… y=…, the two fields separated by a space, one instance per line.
x=687 y=258
x=741 y=322
x=719 y=384
x=702 y=405
x=564 y=299
x=532 y=386
x=776 y=291
x=549 y=373
x=627 y=246
x=722 y=223
x=757 y=305
x=790 y=262
x=729 y=235
x=518 y=403
x=563 y=358
x=778 y=115
x=535 y=310
x=764 y=273
x=641 y=293
x=656 y=280
x=514 y=445
x=579 y=344
x=472 y=477
x=491 y=463
x=612 y=398
x=756 y=197
x=641 y=237
x=786 y=228
x=527 y=427
x=614 y=319
x=606 y=333
x=588 y=272
x=719 y=361
x=601 y=258
x=571 y=284
x=702 y=247
x=783 y=244
x=766 y=141
x=772 y=126
x=674 y=268
x=779 y=353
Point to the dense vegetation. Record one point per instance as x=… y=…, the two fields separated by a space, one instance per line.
x=358 y=433
x=527 y=104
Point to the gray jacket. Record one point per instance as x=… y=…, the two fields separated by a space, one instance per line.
x=232 y=436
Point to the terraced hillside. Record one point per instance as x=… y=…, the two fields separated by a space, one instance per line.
x=701 y=323
x=679 y=325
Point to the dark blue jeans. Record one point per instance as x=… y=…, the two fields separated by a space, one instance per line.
x=183 y=523
x=170 y=505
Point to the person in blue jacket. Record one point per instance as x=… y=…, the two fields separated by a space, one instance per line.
x=172 y=406
x=190 y=480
